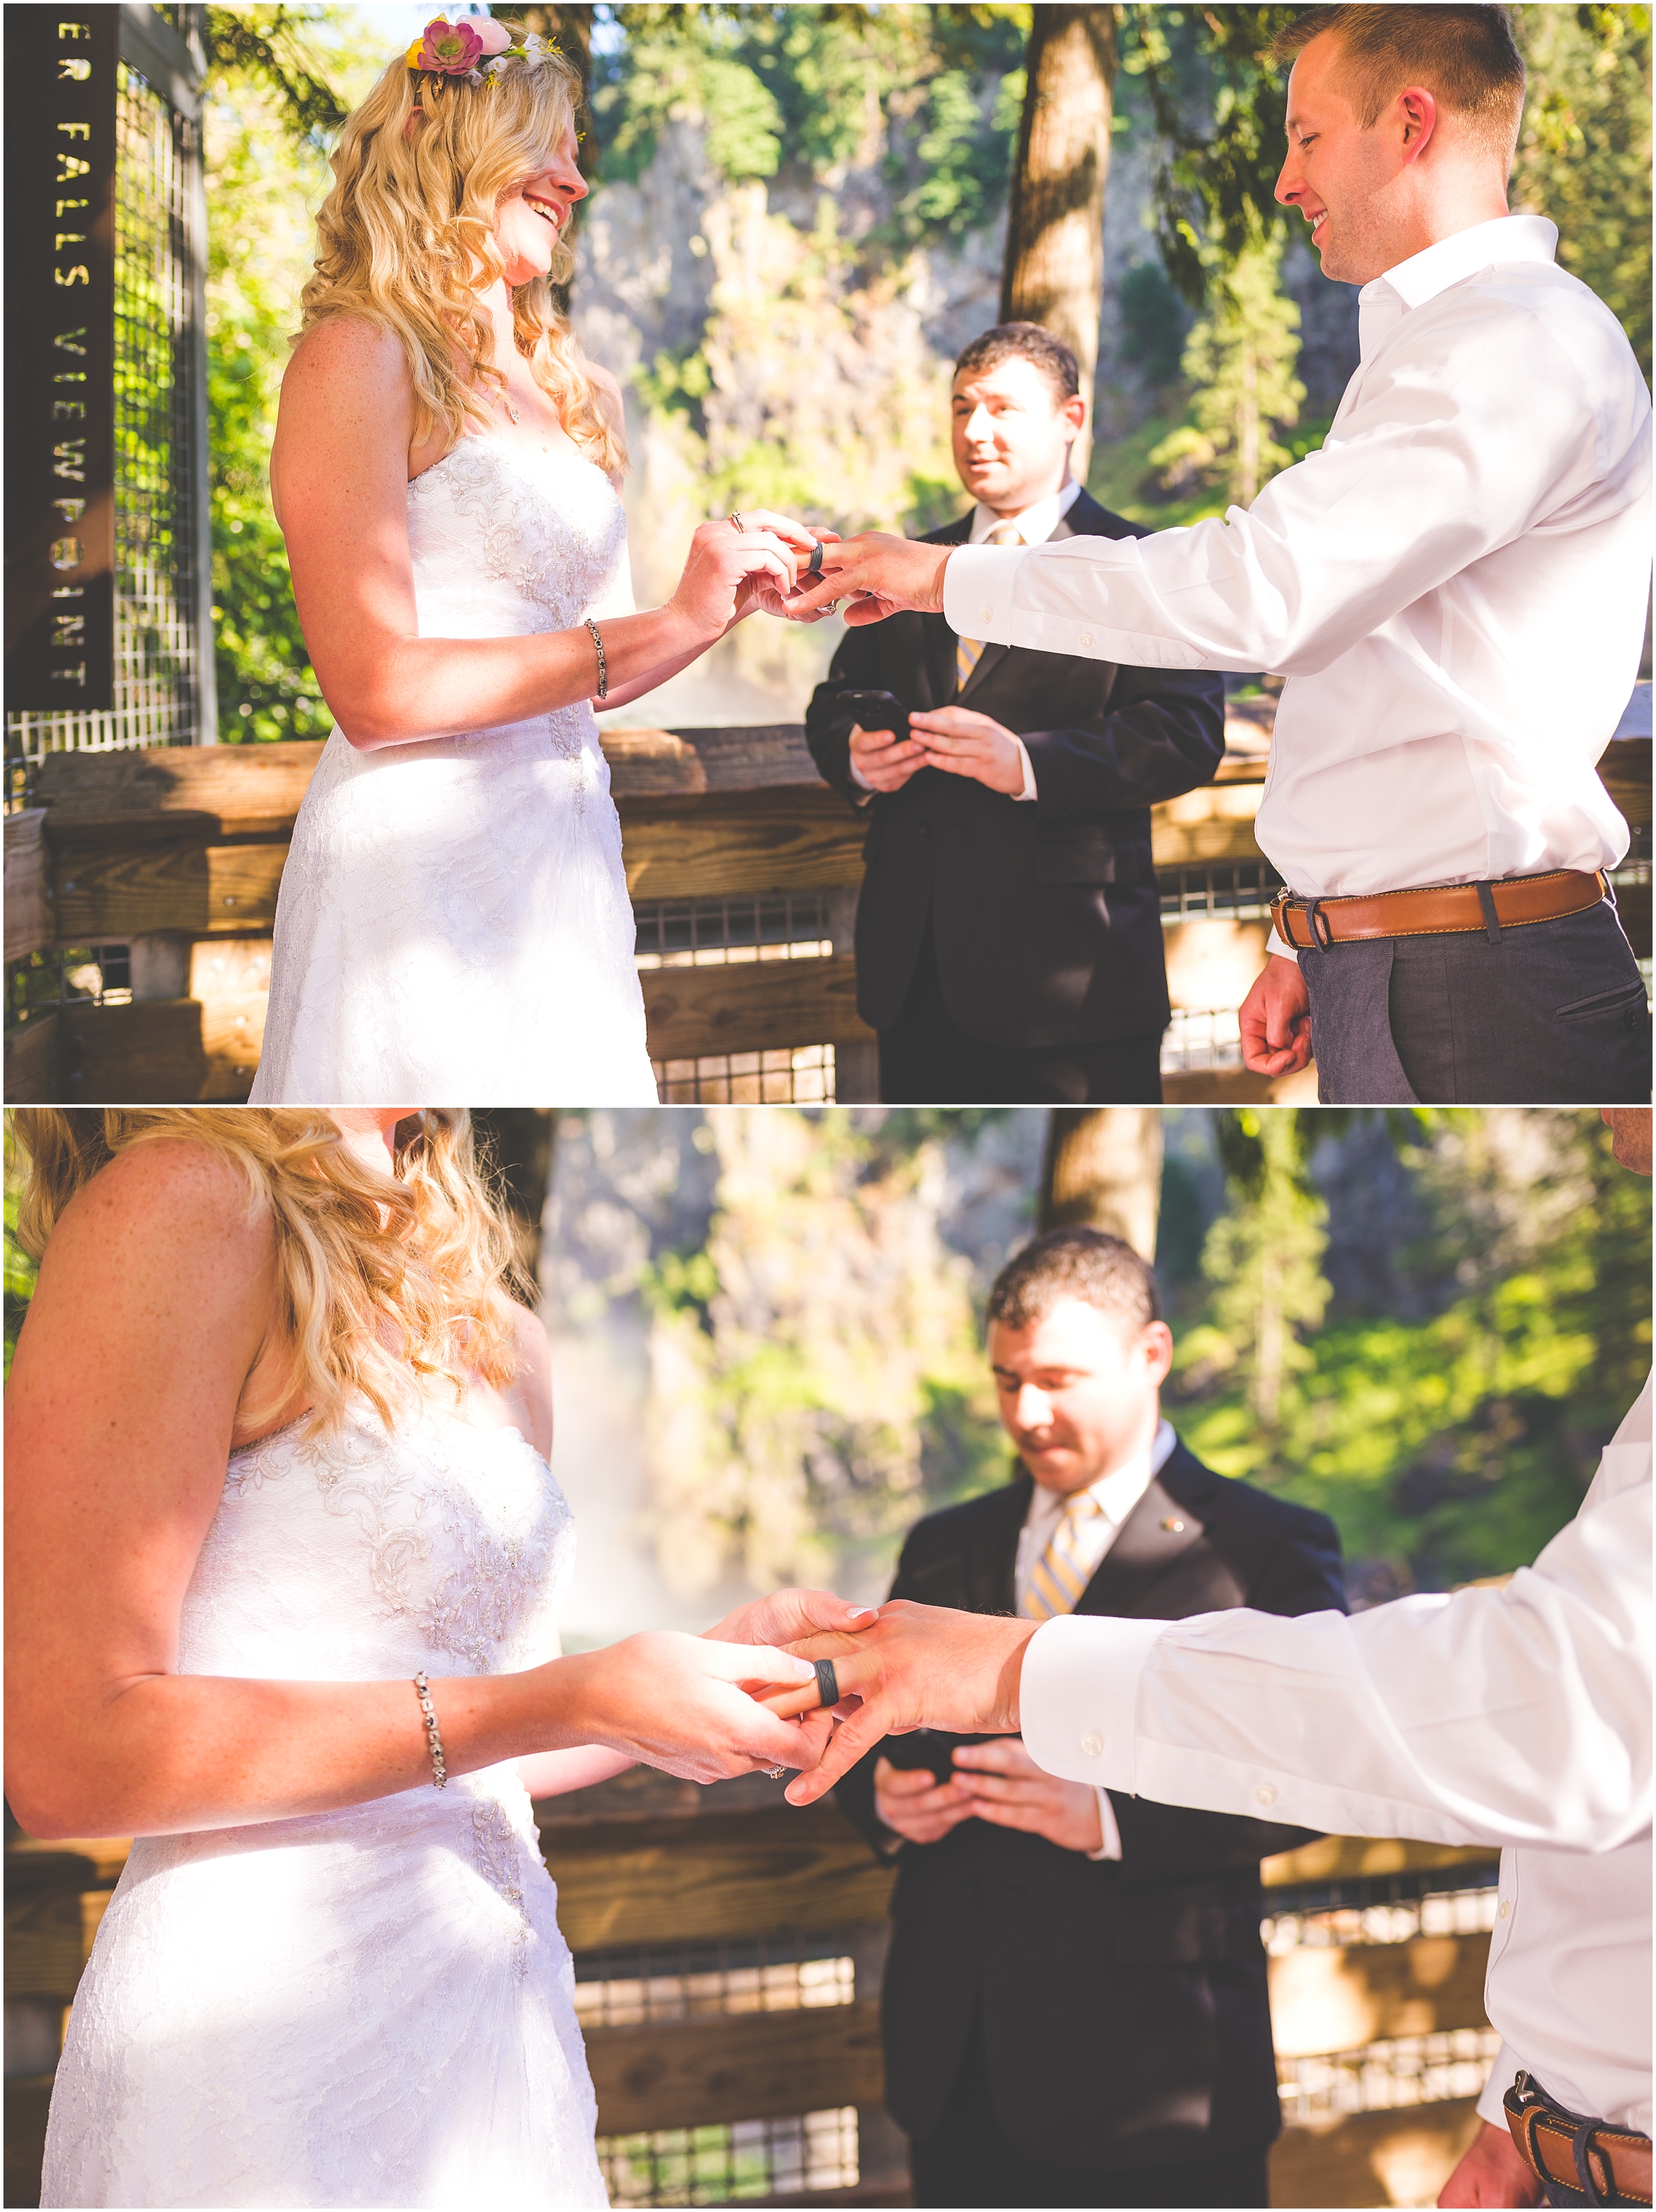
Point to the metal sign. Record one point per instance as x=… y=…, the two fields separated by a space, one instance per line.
x=60 y=358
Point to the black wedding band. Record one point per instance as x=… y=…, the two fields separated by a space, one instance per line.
x=827 y=1686
x=815 y=567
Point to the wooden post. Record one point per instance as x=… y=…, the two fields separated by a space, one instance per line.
x=1054 y=269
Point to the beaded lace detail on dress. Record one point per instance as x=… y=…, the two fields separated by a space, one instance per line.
x=373 y=2006
x=453 y=916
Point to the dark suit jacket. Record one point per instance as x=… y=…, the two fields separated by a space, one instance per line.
x=1125 y=2018
x=1048 y=925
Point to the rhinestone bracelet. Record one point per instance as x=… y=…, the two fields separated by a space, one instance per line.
x=434 y=1741
x=604 y=673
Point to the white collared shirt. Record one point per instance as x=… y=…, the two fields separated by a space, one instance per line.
x=1117 y=1495
x=1518 y=1716
x=1034 y=525
x=1454 y=585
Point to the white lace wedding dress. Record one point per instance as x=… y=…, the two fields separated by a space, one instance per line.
x=453 y=919
x=371 y=2006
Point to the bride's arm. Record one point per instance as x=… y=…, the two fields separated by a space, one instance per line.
x=156 y=1295
x=339 y=486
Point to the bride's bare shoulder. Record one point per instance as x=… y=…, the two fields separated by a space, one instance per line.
x=351 y=347
x=346 y=408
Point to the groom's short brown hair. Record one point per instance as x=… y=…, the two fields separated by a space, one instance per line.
x=1466 y=56
x=1082 y=1263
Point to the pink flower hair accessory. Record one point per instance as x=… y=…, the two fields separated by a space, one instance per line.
x=477 y=49
x=447 y=49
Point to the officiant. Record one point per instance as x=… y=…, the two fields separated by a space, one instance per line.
x=1075 y=2005
x=1009 y=933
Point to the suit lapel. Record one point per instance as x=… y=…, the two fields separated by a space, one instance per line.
x=988 y=660
x=990 y=1584
x=1161 y=1528
x=992 y=655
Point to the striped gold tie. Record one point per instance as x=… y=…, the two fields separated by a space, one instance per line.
x=1061 y=1573
x=968 y=651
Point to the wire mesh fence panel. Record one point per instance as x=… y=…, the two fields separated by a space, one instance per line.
x=741 y=2161
x=1231 y=891
x=160 y=538
x=715 y=933
x=1382 y=2077
x=795 y=1075
x=636 y=1989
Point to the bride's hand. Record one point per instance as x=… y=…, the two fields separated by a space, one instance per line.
x=788 y=1615
x=682 y=1704
x=725 y=561
x=761 y=593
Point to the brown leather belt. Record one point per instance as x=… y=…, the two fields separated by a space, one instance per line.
x=1438 y=910
x=1606 y=2165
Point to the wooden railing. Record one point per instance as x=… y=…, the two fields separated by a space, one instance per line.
x=178 y=854
x=645 y=1860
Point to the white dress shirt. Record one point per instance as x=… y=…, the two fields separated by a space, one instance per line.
x=1454 y=585
x=1034 y=525
x=1116 y=1494
x=1519 y=1717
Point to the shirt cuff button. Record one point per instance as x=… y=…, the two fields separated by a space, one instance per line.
x=986 y=615
x=1085 y=638
x=1092 y=1745
x=1265 y=1795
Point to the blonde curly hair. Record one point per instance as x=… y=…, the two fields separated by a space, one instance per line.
x=387 y=1285
x=407 y=239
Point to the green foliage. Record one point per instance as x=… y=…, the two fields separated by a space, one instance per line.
x=1220 y=112
x=1240 y=362
x=267 y=45
x=266 y=172
x=1264 y=1259
x=933 y=96
x=1152 y=328
x=1584 y=156
x=1457 y=1445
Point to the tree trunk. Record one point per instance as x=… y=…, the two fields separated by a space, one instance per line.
x=1103 y=1167
x=1054 y=270
x=517 y=1143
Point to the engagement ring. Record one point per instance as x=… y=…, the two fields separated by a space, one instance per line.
x=774 y=1773
x=738 y=522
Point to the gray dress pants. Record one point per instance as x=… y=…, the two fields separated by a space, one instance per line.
x=1551 y=1013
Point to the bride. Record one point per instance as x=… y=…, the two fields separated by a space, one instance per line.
x=283 y=1553
x=453 y=914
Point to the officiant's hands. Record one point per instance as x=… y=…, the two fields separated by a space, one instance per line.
x=1001 y=1783
x=997 y=1782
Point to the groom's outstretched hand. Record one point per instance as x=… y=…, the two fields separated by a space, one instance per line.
x=877 y=576
x=917 y=1666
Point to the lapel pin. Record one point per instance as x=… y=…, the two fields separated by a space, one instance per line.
x=1173 y=1526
